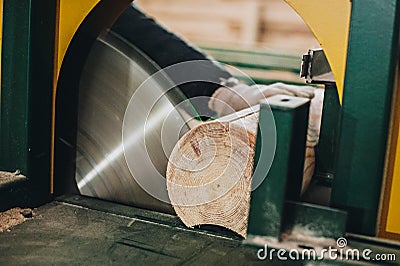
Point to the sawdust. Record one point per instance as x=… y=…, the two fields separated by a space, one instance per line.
x=13 y=217
x=6 y=177
x=16 y=216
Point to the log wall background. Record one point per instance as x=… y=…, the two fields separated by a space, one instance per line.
x=240 y=24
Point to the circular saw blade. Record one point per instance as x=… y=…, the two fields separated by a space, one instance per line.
x=112 y=73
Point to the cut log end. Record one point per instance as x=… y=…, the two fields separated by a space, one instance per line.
x=209 y=175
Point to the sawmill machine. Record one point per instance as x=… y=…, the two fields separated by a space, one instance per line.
x=68 y=75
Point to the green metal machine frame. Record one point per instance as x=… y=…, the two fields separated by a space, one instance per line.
x=370 y=74
x=26 y=90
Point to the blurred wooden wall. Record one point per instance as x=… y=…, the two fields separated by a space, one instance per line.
x=241 y=24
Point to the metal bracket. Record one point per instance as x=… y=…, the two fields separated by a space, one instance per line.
x=274 y=205
x=315 y=67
